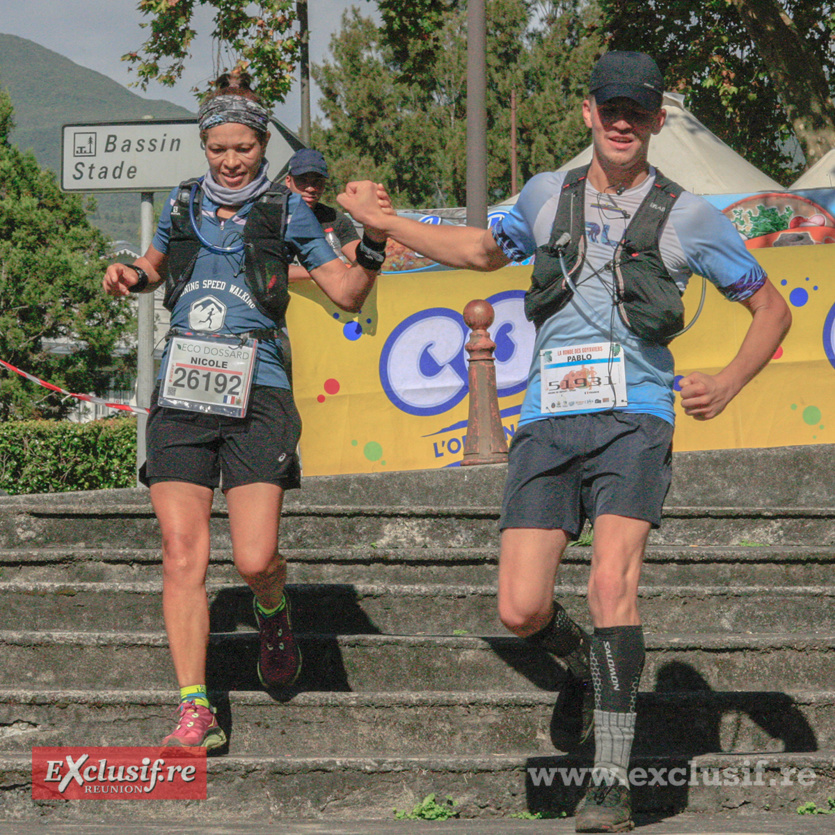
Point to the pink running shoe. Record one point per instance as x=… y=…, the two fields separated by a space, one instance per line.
x=197 y=727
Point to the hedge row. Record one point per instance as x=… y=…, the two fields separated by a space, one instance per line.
x=41 y=456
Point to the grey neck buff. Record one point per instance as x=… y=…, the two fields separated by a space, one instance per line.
x=235 y=197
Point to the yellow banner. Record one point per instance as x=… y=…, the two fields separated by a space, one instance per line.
x=792 y=401
x=387 y=389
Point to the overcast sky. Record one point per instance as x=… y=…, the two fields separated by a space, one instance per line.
x=96 y=33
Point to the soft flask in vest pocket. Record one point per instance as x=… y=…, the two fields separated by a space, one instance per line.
x=549 y=292
x=649 y=305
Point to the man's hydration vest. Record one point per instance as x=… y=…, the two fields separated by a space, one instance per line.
x=646 y=296
x=265 y=253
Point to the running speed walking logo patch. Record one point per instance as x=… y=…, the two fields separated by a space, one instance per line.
x=97 y=773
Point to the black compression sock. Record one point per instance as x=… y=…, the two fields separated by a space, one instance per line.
x=565 y=639
x=617 y=659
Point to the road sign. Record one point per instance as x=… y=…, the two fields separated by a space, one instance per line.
x=147 y=155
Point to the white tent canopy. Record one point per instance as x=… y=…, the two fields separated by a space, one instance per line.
x=688 y=153
x=820 y=175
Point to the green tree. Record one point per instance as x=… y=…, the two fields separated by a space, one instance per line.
x=564 y=46
x=411 y=30
x=256 y=37
x=377 y=126
x=50 y=290
x=756 y=72
x=800 y=64
x=402 y=121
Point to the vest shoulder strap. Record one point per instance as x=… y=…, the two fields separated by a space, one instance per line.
x=276 y=195
x=570 y=207
x=652 y=214
x=271 y=216
x=279 y=196
x=184 y=190
x=183 y=203
x=276 y=190
x=185 y=185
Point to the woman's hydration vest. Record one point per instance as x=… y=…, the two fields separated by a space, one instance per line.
x=646 y=296
x=265 y=253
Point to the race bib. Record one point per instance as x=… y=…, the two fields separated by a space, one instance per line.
x=589 y=378
x=213 y=376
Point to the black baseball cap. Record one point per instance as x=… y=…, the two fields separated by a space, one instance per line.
x=630 y=75
x=308 y=161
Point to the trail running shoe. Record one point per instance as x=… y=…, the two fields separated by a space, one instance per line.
x=279 y=657
x=605 y=808
x=574 y=716
x=580 y=666
x=197 y=727
x=574 y=713
x=578 y=661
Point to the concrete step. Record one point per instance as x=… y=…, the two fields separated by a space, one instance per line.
x=436 y=609
x=354 y=788
x=801 y=476
x=737 y=566
x=130 y=526
x=124 y=660
x=681 y=723
x=753 y=526
x=378 y=720
x=382 y=527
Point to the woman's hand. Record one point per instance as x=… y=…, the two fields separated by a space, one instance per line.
x=118 y=279
x=369 y=204
x=384 y=202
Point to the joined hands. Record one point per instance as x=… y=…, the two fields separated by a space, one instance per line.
x=369 y=204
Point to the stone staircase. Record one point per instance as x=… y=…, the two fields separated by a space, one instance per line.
x=411 y=685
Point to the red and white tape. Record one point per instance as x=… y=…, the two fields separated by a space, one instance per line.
x=87 y=398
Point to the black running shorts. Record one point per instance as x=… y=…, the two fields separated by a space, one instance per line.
x=564 y=470
x=223 y=451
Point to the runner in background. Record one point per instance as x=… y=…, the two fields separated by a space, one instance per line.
x=308 y=176
x=223 y=412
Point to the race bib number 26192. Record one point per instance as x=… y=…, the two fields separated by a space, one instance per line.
x=213 y=376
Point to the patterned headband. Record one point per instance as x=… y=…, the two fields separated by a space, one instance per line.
x=232 y=108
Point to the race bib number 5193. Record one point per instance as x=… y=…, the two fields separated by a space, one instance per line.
x=582 y=377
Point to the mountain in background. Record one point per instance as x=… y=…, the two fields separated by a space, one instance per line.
x=48 y=91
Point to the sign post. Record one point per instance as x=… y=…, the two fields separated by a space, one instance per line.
x=145 y=336
x=144 y=157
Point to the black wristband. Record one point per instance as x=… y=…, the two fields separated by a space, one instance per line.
x=143 y=279
x=370 y=259
x=377 y=246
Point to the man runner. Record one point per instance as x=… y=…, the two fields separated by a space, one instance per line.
x=595 y=432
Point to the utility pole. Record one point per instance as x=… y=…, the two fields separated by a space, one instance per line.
x=476 y=115
x=513 y=175
x=304 y=68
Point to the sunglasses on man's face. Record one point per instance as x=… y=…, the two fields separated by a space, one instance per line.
x=315 y=181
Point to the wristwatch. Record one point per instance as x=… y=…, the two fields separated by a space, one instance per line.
x=143 y=279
